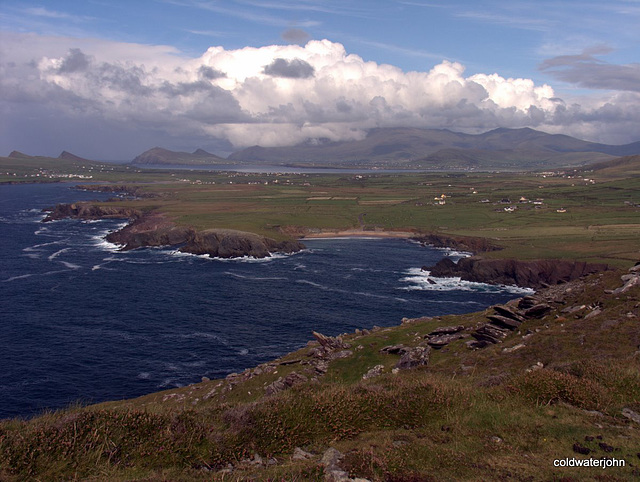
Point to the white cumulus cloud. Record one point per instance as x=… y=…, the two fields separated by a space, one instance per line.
x=279 y=94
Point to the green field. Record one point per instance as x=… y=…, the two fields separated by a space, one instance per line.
x=600 y=219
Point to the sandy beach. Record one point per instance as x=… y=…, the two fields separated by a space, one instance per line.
x=360 y=233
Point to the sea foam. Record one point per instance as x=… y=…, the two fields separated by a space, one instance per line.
x=422 y=280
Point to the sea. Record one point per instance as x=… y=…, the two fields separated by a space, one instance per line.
x=83 y=322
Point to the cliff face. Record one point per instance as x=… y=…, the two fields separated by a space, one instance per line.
x=532 y=274
x=226 y=243
x=463 y=243
x=150 y=230
x=90 y=211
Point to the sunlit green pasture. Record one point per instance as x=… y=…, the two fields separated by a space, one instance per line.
x=586 y=216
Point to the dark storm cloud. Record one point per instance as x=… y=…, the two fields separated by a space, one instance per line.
x=295 y=36
x=343 y=106
x=218 y=106
x=127 y=80
x=206 y=72
x=75 y=61
x=291 y=69
x=186 y=88
x=586 y=70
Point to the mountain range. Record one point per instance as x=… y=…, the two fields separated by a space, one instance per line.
x=441 y=148
x=158 y=155
x=67 y=156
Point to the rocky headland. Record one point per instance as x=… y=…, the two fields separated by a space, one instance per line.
x=156 y=229
x=534 y=274
x=88 y=211
x=461 y=243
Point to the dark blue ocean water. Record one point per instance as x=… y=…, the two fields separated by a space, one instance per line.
x=81 y=321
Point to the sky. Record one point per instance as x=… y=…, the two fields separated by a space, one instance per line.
x=109 y=79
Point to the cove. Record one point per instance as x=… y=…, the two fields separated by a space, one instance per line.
x=84 y=321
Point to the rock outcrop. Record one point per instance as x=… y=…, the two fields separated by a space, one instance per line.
x=531 y=274
x=227 y=243
x=414 y=357
x=462 y=243
x=90 y=211
x=150 y=230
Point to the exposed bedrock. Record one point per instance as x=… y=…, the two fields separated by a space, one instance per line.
x=531 y=274
x=150 y=230
x=90 y=211
x=462 y=243
x=227 y=243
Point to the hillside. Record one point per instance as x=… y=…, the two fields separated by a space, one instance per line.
x=622 y=167
x=68 y=156
x=158 y=155
x=439 y=149
x=494 y=395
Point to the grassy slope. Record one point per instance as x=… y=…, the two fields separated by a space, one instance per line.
x=472 y=415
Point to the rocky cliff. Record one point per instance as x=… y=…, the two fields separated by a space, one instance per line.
x=462 y=243
x=227 y=243
x=150 y=230
x=90 y=211
x=532 y=274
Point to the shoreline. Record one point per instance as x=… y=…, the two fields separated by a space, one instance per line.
x=155 y=229
x=359 y=233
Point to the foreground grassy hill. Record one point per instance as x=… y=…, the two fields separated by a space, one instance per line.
x=394 y=404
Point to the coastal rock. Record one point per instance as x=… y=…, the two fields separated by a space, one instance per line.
x=508 y=313
x=504 y=322
x=374 y=372
x=528 y=301
x=447 y=330
x=538 y=311
x=532 y=274
x=281 y=384
x=438 y=341
x=462 y=243
x=394 y=349
x=227 y=243
x=330 y=343
x=490 y=333
x=149 y=230
x=417 y=356
x=90 y=211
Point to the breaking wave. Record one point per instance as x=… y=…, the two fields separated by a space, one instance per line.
x=422 y=280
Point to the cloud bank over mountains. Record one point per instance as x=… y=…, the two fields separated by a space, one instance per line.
x=286 y=94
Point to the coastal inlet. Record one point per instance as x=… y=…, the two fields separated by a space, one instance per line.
x=85 y=321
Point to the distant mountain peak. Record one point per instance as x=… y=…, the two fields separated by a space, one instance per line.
x=19 y=155
x=160 y=155
x=71 y=157
x=521 y=148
